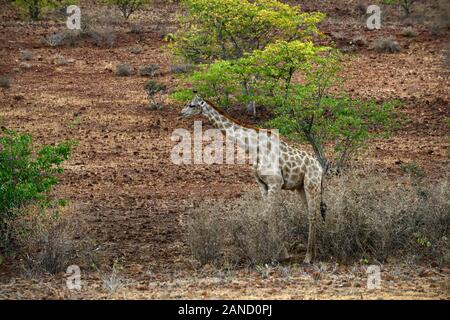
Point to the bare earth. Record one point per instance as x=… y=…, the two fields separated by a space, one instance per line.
x=132 y=197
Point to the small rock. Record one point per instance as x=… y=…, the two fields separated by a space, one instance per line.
x=25 y=65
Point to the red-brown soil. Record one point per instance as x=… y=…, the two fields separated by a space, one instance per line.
x=132 y=197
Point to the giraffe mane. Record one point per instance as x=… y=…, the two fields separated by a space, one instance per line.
x=223 y=113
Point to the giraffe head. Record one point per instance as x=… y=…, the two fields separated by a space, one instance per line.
x=194 y=107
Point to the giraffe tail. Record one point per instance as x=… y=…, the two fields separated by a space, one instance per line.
x=323 y=205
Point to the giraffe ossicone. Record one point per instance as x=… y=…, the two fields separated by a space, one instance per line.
x=278 y=167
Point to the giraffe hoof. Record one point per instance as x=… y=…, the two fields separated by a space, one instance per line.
x=307 y=260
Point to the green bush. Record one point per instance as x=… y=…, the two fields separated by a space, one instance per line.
x=227 y=29
x=27 y=175
x=335 y=125
x=34 y=8
x=154 y=92
x=128 y=7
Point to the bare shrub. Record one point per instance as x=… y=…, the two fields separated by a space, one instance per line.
x=136 y=50
x=387 y=45
x=113 y=281
x=359 y=41
x=205 y=231
x=124 y=70
x=103 y=37
x=26 y=55
x=361 y=8
x=369 y=217
x=150 y=70
x=409 y=32
x=137 y=28
x=181 y=68
x=245 y=231
x=61 y=61
x=155 y=91
x=44 y=239
x=5 y=81
x=446 y=59
x=128 y=7
x=67 y=37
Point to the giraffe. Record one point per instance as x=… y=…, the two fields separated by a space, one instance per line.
x=297 y=170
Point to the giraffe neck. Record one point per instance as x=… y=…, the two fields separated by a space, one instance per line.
x=227 y=126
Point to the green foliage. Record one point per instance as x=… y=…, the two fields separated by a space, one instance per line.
x=27 y=175
x=128 y=7
x=153 y=90
x=226 y=29
x=253 y=51
x=34 y=8
x=304 y=110
x=217 y=81
x=406 y=5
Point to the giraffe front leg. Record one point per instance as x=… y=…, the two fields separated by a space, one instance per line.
x=262 y=186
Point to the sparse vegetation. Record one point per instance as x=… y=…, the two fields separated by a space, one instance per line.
x=34 y=8
x=61 y=61
x=386 y=45
x=181 y=68
x=45 y=239
x=5 y=81
x=409 y=32
x=137 y=28
x=150 y=70
x=368 y=218
x=124 y=70
x=128 y=7
x=26 y=55
x=406 y=5
x=27 y=176
x=103 y=37
x=154 y=92
x=136 y=50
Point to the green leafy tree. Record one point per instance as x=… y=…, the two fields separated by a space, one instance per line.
x=406 y=5
x=27 y=174
x=335 y=125
x=128 y=7
x=227 y=29
x=34 y=8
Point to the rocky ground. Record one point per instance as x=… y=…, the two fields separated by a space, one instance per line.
x=132 y=197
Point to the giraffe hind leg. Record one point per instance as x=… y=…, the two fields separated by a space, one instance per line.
x=312 y=191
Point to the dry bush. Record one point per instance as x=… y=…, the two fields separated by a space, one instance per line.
x=103 y=37
x=387 y=45
x=181 y=68
x=124 y=70
x=26 y=55
x=369 y=217
x=150 y=70
x=244 y=231
x=137 y=28
x=409 y=32
x=136 y=50
x=5 y=81
x=372 y=217
x=205 y=232
x=46 y=239
x=66 y=37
